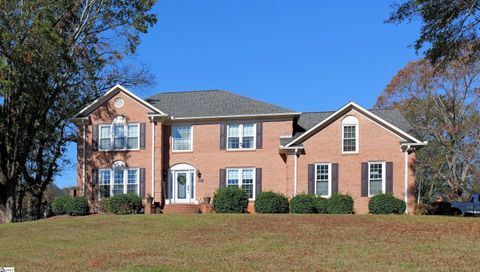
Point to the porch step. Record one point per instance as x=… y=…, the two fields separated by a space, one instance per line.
x=181 y=208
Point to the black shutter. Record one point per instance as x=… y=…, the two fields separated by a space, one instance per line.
x=259 y=135
x=94 y=176
x=389 y=177
x=364 y=179
x=142 y=182
x=223 y=136
x=95 y=138
x=311 y=179
x=223 y=178
x=258 y=181
x=170 y=186
x=334 y=178
x=142 y=135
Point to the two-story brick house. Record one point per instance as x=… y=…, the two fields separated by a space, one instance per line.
x=180 y=147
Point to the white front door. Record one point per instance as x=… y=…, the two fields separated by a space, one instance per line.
x=183 y=186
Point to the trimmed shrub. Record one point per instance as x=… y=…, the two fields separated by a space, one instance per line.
x=421 y=209
x=386 y=204
x=303 y=203
x=321 y=204
x=125 y=204
x=103 y=205
x=58 y=204
x=76 y=206
x=230 y=200
x=270 y=202
x=340 y=204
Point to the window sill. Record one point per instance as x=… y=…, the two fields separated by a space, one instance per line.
x=240 y=150
x=351 y=153
x=120 y=150
x=181 y=151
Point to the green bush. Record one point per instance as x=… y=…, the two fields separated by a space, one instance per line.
x=270 y=202
x=125 y=204
x=103 y=205
x=340 y=204
x=76 y=206
x=321 y=204
x=386 y=204
x=58 y=204
x=230 y=200
x=303 y=203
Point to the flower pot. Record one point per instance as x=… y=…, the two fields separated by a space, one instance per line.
x=206 y=200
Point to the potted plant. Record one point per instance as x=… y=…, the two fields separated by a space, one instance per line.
x=206 y=199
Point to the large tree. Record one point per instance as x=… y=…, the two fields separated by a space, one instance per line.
x=446 y=26
x=54 y=57
x=442 y=104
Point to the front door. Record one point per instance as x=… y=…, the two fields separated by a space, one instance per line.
x=183 y=190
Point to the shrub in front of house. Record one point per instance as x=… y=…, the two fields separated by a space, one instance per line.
x=76 y=206
x=270 y=202
x=386 y=204
x=103 y=205
x=321 y=204
x=340 y=204
x=230 y=200
x=58 y=204
x=303 y=203
x=125 y=204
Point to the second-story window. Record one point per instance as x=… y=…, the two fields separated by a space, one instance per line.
x=182 y=138
x=241 y=136
x=350 y=135
x=119 y=135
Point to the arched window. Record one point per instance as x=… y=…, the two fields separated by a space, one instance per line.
x=119 y=135
x=350 y=134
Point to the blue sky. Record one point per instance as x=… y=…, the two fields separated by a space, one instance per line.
x=305 y=55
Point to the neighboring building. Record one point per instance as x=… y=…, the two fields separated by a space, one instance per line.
x=180 y=147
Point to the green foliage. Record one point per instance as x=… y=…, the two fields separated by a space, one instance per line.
x=421 y=209
x=270 y=202
x=230 y=200
x=125 y=204
x=386 y=204
x=103 y=205
x=58 y=204
x=76 y=206
x=303 y=203
x=340 y=204
x=321 y=204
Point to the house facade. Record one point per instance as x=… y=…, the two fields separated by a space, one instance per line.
x=177 y=148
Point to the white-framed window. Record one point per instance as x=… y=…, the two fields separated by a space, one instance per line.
x=350 y=135
x=376 y=178
x=119 y=135
x=182 y=138
x=241 y=136
x=118 y=181
x=243 y=178
x=323 y=179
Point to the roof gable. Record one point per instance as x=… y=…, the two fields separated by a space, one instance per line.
x=315 y=122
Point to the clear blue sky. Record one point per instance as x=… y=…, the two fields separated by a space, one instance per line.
x=305 y=55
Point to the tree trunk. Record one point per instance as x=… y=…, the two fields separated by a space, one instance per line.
x=7 y=204
x=21 y=196
x=38 y=205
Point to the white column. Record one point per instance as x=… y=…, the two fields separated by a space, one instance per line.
x=153 y=160
x=406 y=178
x=295 y=174
x=84 y=155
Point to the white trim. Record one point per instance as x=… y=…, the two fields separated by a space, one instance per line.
x=295 y=173
x=114 y=88
x=112 y=136
x=153 y=160
x=112 y=179
x=329 y=179
x=383 y=163
x=240 y=178
x=182 y=166
x=240 y=137
x=365 y=112
x=237 y=116
x=84 y=152
x=190 y=183
x=357 y=134
x=406 y=179
x=191 y=139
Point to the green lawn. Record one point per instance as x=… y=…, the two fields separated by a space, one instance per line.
x=218 y=242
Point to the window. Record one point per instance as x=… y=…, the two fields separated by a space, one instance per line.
x=243 y=178
x=119 y=135
x=241 y=136
x=118 y=181
x=376 y=178
x=182 y=138
x=350 y=135
x=323 y=180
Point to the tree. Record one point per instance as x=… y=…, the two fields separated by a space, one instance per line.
x=447 y=26
x=442 y=104
x=54 y=57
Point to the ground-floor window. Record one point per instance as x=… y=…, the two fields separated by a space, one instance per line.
x=376 y=178
x=118 y=181
x=323 y=179
x=243 y=178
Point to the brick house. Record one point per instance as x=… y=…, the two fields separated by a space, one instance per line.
x=175 y=149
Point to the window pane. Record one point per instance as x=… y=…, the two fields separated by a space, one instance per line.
x=233 y=130
x=132 y=143
x=232 y=177
x=119 y=137
x=376 y=178
x=104 y=191
x=105 y=143
x=118 y=182
x=105 y=137
x=247 y=142
x=182 y=138
x=132 y=130
x=105 y=132
x=322 y=179
x=104 y=182
x=247 y=181
x=349 y=139
x=249 y=130
x=233 y=142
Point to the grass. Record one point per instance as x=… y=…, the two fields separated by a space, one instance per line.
x=256 y=242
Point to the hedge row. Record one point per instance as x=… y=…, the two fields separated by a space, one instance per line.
x=337 y=204
x=73 y=206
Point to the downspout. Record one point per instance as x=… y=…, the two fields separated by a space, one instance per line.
x=406 y=178
x=84 y=155
x=153 y=160
x=295 y=173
